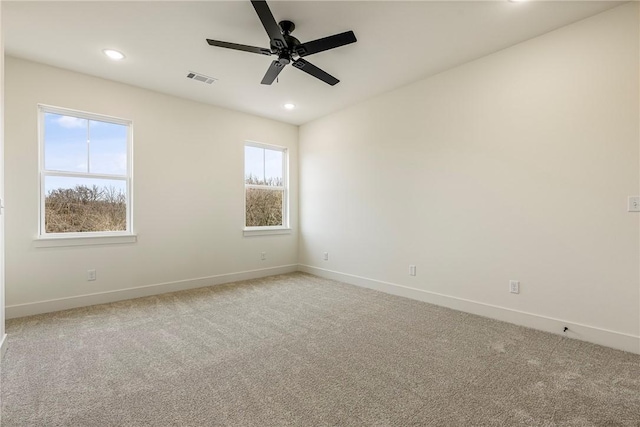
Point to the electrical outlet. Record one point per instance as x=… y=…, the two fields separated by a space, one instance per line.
x=326 y=256
x=514 y=286
x=263 y=256
x=91 y=275
x=633 y=204
x=412 y=270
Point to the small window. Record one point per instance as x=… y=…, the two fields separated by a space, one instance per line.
x=85 y=174
x=265 y=187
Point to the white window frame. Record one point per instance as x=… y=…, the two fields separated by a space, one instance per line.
x=273 y=229
x=82 y=238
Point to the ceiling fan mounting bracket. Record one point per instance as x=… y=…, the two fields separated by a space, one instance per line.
x=287 y=27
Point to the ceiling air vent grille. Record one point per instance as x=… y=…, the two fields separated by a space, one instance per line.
x=201 y=77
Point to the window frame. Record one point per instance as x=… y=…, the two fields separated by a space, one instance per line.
x=270 y=229
x=91 y=237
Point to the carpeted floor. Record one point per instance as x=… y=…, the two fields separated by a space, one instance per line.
x=298 y=350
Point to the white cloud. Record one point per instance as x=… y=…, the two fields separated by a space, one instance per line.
x=71 y=122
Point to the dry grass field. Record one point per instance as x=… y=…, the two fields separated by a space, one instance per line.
x=85 y=209
x=263 y=207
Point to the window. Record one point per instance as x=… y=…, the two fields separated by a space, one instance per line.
x=85 y=174
x=265 y=183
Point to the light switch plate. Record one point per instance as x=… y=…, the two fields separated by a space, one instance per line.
x=633 y=204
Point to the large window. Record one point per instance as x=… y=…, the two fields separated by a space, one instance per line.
x=265 y=182
x=85 y=174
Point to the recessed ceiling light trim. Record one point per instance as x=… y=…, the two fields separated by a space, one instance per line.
x=113 y=54
x=289 y=106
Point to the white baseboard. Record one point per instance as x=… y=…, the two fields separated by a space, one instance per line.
x=578 y=331
x=3 y=346
x=39 y=307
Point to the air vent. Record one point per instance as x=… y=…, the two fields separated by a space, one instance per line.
x=201 y=77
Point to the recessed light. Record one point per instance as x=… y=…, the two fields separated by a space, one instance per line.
x=113 y=54
x=289 y=106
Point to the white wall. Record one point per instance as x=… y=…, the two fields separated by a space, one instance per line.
x=2 y=334
x=515 y=166
x=188 y=194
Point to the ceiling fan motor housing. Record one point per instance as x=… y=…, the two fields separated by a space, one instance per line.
x=285 y=54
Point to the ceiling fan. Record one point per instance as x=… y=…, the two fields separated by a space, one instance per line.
x=287 y=48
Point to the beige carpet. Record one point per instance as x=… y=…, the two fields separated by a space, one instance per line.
x=298 y=350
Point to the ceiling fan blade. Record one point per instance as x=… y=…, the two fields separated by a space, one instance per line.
x=316 y=72
x=272 y=72
x=269 y=23
x=326 y=43
x=242 y=47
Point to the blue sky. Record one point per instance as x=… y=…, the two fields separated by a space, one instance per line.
x=66 y=150
x=262 y=163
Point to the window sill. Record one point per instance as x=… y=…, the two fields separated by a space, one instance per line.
x=52 y=242
x=266 y=231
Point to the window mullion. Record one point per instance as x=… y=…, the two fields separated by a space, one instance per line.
x=85 y=175
x=265 y=187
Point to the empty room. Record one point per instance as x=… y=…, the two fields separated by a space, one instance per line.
x=320 y=213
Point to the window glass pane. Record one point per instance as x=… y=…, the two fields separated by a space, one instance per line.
x=74 y=205
x=65 y=143
x=107 y=148
x=273 y=167
x=264 y=207
x=253 y=165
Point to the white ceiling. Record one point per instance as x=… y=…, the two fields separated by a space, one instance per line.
x=398 y=43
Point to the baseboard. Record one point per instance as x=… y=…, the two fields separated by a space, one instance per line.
x=617 y=340
x=40 y=307
x=3 y=346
